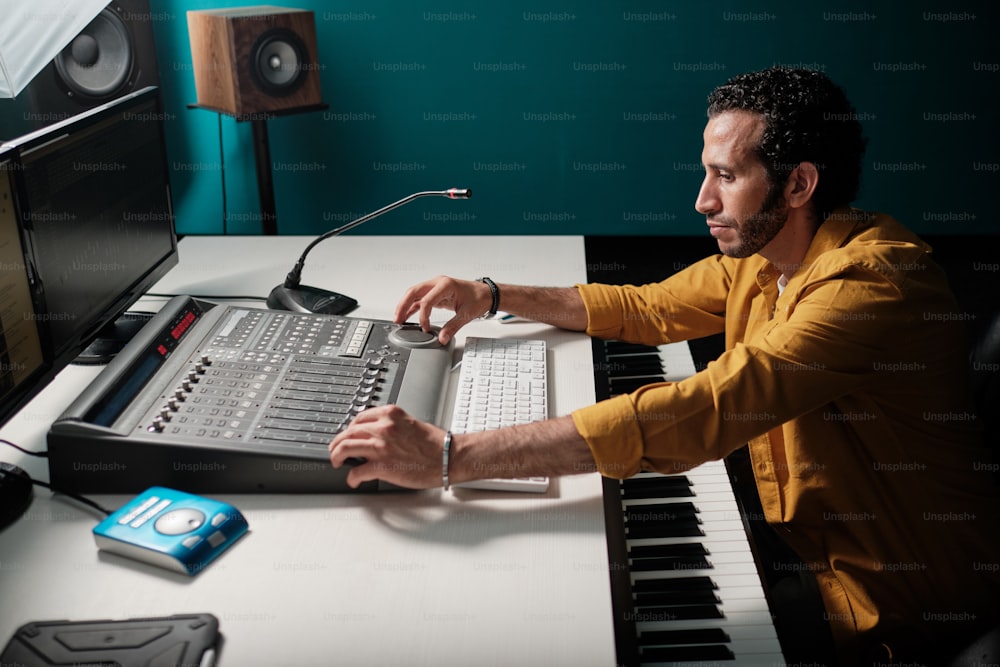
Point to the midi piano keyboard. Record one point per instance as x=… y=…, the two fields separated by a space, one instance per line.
x=685 y=585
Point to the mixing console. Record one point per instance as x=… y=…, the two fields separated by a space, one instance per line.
x=219 y=398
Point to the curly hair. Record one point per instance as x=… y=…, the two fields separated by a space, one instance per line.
x=808 y=119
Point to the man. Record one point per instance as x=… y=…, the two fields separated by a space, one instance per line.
x=842 y=371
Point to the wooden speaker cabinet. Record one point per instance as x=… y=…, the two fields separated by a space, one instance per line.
x=251 y=60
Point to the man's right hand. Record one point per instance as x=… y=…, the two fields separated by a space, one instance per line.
x=469 y=299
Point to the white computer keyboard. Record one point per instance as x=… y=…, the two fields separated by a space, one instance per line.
x=501 y=382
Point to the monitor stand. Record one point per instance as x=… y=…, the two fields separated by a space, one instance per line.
x=112 y=338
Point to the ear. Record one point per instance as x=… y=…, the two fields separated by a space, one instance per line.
x=801 y=184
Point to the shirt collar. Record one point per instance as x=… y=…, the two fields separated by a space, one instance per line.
x=834 y=232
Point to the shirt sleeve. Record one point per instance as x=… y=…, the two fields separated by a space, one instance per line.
x=689 y=304
x=836 y=330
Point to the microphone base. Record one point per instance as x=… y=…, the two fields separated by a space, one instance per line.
x=305 y=299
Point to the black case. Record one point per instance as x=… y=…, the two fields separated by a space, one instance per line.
x=191 y=640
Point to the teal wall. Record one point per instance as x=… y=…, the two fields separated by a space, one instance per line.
x=582 y=118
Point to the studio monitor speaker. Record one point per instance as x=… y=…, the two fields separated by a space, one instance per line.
x=112 y=56
x=250 y=60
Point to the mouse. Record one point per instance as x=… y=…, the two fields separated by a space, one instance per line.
x=15 y=493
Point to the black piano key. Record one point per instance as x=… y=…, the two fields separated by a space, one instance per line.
x=639 y=487
x=671 y=598
x=660 y=512
x=613 y=347
x=645 y=493
x=687 y=556
x=674 y=529
x=684 y=653
x=674 y=584
x=691 y=636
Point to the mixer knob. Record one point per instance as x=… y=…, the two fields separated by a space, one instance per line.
x=157 y=425
x=186 y=384
x=172 y=403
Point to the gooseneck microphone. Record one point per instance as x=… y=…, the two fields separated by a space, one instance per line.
x=292 y=295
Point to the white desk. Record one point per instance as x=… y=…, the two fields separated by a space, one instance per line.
x=422 y=578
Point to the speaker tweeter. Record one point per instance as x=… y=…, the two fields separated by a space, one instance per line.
x=250 y=60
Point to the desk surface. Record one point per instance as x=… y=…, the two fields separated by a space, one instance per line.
x=442 y=578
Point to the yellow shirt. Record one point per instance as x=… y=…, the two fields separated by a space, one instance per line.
x=850 y=388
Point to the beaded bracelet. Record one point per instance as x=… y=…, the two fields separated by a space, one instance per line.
x=445 y=452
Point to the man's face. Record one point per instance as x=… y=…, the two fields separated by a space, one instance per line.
x=743 y=211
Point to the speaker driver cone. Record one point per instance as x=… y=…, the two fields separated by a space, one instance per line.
x=98 y=62
x=277 y=59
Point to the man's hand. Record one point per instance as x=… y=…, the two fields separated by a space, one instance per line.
x=468 y=298
x=407 y=452
x=559 y=306
x=396 y=448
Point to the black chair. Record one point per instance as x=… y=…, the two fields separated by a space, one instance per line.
x=985 y=650
x=984 y=363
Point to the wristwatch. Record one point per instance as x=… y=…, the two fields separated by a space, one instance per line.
x=495 y=306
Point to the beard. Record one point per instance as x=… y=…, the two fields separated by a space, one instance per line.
x=759 y=228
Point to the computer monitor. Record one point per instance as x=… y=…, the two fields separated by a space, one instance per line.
x=94 y=217
x=22 y=363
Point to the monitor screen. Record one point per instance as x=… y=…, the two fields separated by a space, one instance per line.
x=21 y=359
x=94 y=214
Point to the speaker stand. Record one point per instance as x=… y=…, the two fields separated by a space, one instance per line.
x=262 y=158
x=265 y=177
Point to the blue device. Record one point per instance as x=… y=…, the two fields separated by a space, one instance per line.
x=171 y=529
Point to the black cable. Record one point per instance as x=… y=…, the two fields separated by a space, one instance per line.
x=23 y=450
x=78 y=498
